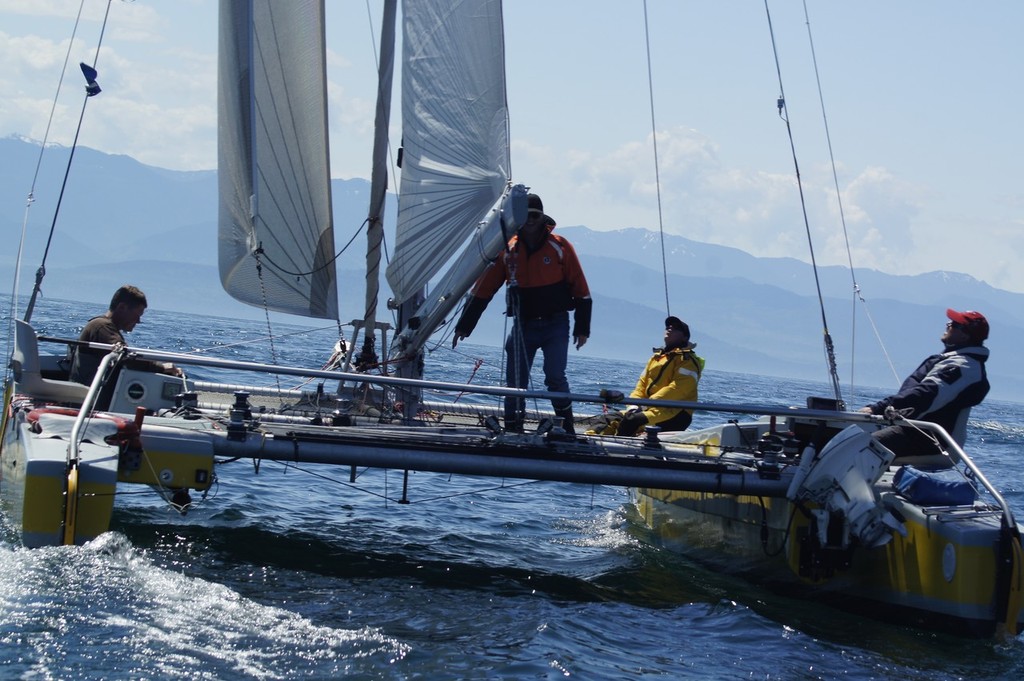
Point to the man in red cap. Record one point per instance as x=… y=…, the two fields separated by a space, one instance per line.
x=943 y=389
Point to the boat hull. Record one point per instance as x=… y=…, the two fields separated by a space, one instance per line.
x=37 y=482
x=54 y=495
x=953 y=571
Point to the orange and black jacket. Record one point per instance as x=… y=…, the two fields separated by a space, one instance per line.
x=541 y=283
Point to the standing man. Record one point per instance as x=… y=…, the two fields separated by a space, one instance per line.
x=943 y=389
x=544 y=281
x=126 y=309
x=672 y=373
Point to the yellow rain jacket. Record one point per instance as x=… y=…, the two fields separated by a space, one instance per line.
x=669 y=375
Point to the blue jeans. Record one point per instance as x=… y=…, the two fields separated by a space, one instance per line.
x=550 y=335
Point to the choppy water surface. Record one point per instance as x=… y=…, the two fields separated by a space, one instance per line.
x=296 y=572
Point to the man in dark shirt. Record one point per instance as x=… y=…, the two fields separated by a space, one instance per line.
x=126 y=309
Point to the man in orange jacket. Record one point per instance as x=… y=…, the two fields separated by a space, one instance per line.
x=545 y=281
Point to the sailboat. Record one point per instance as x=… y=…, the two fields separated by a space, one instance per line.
x=803 y=495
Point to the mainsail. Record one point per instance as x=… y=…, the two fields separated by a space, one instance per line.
x=276 y=241
x=454 y=137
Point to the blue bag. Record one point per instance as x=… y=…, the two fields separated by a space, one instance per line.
x=934 y=488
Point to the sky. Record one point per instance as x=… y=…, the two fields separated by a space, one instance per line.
x=923 y=101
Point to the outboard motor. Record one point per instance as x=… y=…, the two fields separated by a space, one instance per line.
x=841 y=480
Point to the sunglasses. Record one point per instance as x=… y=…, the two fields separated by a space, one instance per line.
x=954 y=325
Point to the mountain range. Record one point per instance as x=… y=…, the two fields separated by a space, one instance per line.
x=121 y=221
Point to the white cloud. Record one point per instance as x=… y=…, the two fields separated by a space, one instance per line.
x=910 y=187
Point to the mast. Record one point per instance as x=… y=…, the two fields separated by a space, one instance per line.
x=378 y=186
x=378 y=183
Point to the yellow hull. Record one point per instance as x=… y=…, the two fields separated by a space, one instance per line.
x=54 y=502
x=957 y=569
x=35 y=489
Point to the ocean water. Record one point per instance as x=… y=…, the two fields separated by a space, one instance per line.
x=295 y=572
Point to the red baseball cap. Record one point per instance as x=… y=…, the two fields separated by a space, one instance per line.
x=974 y=323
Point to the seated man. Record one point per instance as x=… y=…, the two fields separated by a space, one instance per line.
x=672 y=373
x=942 y=390
x=126 y=308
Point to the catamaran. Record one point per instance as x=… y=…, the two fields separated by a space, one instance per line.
x=802 y=497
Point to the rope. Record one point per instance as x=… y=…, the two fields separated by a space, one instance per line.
x=309 y=273
x=657 y=175
x=476 y=367
x=266 y=310
x=842 y=218
x=830 y=357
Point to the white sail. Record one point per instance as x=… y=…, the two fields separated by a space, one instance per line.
x=276 y=240
x=455 y=133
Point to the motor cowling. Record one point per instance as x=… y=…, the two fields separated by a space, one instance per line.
x=841 y=481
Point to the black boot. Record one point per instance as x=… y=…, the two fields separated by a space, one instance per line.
x=515 y=414
x=565 y=413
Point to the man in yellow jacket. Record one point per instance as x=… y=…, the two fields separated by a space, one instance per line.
x=672 y=373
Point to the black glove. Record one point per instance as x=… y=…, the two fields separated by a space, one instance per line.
x=632 y=422
x=470 y=316
x=581 y=318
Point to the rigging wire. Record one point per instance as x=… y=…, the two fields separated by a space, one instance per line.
x=657 y=176
x=386 y=497
x=784 y=115
x=91 y=90
x=842 y=218
x=35 y=177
